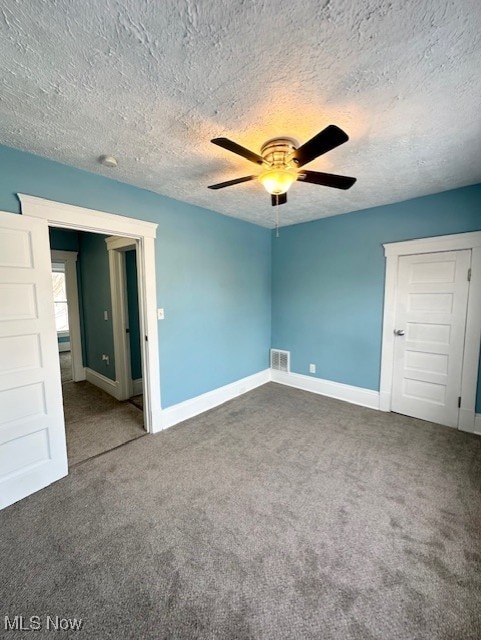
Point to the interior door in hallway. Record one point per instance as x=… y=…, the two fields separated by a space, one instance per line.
x=431 y=306
x=32 y=434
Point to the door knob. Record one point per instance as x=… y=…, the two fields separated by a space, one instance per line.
x=398 y=332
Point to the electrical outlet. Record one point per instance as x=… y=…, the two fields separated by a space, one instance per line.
x=312 y=368
x=105 y=358
x=106 y=315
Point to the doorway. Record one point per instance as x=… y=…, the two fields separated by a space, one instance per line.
x=67 y=314
x=61 y=320
x=65 y=216
x=124 y=278
x=97 y=416
x=32 y=444
x=431 y=329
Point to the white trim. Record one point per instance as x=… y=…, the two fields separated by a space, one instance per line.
x=73 y=217
x=354 y=395
x=477 y=424
x=149 y=329
x=69 y=259
x=102 y=382
x=70 y=216
x=193 y=407
x=469 y=380
x=435 y=244
x=120 y=244
x=63 y=346
x=137 y=387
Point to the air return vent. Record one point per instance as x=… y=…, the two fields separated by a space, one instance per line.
x=280 y=360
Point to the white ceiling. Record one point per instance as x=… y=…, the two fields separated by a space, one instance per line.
x=153 y=82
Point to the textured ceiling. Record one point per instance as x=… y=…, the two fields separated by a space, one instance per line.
x=153 y=82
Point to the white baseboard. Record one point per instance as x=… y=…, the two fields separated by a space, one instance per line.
x=63 y=346
x=79 y=374
x=137 y=387
x=467 y=420
x=104 y=383
x=193 y=407
x=354 y=395
x=384 y=401
x=477 y=424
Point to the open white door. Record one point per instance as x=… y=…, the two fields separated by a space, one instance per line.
x=32 y=433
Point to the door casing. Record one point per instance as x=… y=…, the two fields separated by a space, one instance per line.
x=67 y=216
x=118 y=286
x=392 y=252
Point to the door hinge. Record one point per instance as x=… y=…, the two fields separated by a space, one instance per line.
x=146 y=338
x=469 y=274
x=459 y=402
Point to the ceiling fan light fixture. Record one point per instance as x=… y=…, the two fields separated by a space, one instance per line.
x=278 y=157
x=277 y=181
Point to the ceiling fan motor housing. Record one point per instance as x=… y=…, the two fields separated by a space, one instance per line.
x=278 y=152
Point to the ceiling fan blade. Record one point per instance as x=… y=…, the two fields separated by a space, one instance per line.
x=276 y=200
x=329 y=138
x=229 y=183
x=225 y=143
x=326 y=179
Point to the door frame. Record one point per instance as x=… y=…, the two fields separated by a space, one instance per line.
x=116 y=248
x=393 y=251
x=68 y=216
x=69 y=259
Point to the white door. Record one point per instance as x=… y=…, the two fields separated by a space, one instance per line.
x=32 y=433
x=431 y=304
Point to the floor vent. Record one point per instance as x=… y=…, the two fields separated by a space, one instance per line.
x=280 y=360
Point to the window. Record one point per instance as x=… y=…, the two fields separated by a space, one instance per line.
x=60 y=297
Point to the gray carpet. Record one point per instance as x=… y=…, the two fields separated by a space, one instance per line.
x=96 y=422
x=279 y=515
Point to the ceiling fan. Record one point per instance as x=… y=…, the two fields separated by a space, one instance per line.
x=281 y=159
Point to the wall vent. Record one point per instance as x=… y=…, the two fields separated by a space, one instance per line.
x=280 y=360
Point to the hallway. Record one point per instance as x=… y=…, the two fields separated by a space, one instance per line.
x=95 y=422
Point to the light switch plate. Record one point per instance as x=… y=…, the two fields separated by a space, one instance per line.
x=160 y=314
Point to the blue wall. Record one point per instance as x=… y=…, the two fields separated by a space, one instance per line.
x=98 y=337
x=214 y=276
x=216 y=299
x=213 y=273
x=133 y=313
x=63 y=239
x=328 y=281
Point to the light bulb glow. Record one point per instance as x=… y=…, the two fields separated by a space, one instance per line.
x=276 y=181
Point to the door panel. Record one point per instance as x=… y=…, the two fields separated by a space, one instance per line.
x=32 y=433
x=431 y=305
